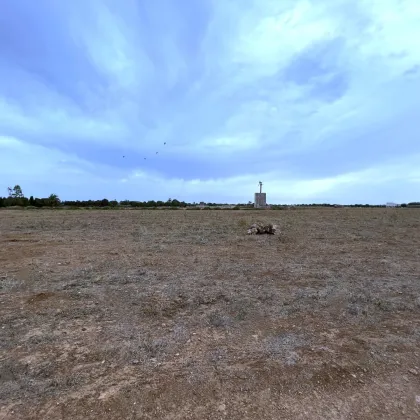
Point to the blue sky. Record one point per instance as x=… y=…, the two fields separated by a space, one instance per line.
x=320 y=99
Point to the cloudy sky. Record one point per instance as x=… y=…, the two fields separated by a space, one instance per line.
x=318 y=99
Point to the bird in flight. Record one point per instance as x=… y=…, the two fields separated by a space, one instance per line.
x=157 y=152
x=165 y=142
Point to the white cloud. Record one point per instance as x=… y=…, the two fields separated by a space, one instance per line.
x=272 y=41
x=59 y=120
x=280 y=186
x=49 y=170
x=38 y=169
x=112 y=46
x=379 y=42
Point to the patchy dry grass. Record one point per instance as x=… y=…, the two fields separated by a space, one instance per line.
x=180 y=314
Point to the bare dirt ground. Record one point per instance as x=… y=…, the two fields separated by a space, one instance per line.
x=180 y=315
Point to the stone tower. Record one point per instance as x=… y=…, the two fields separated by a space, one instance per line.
x=260 y=199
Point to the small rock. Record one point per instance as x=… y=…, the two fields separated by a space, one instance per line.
x=135 y=362
x=222 y=407
x=418 y=399
x=413 y=371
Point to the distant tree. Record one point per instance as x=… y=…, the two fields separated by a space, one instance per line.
x=53 y=200
x=15 y=192
x=31 y=200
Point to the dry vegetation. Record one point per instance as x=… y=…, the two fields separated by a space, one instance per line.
x=182 y=315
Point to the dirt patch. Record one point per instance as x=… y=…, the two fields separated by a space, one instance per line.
x=40 y=297
x=182 y=315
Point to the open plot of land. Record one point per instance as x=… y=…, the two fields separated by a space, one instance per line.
x=180 y=315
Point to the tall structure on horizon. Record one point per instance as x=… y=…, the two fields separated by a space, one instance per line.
x=260 y=199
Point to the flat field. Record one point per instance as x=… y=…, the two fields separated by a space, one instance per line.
x=149 y=314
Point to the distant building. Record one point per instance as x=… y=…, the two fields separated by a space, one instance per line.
x=391 y=205
x=260 y=199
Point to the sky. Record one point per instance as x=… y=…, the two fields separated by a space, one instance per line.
x=318 y=99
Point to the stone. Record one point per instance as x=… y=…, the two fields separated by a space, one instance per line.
x=259 y=229
x=222 y=407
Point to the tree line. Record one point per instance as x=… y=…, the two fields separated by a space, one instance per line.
x=17 y=198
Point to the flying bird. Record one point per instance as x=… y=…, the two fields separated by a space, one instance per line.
x=157 y=152
x=165 y=142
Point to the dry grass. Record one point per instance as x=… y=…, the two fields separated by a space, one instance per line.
x=181 y=315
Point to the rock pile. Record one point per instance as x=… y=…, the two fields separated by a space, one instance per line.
x=259 y=229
